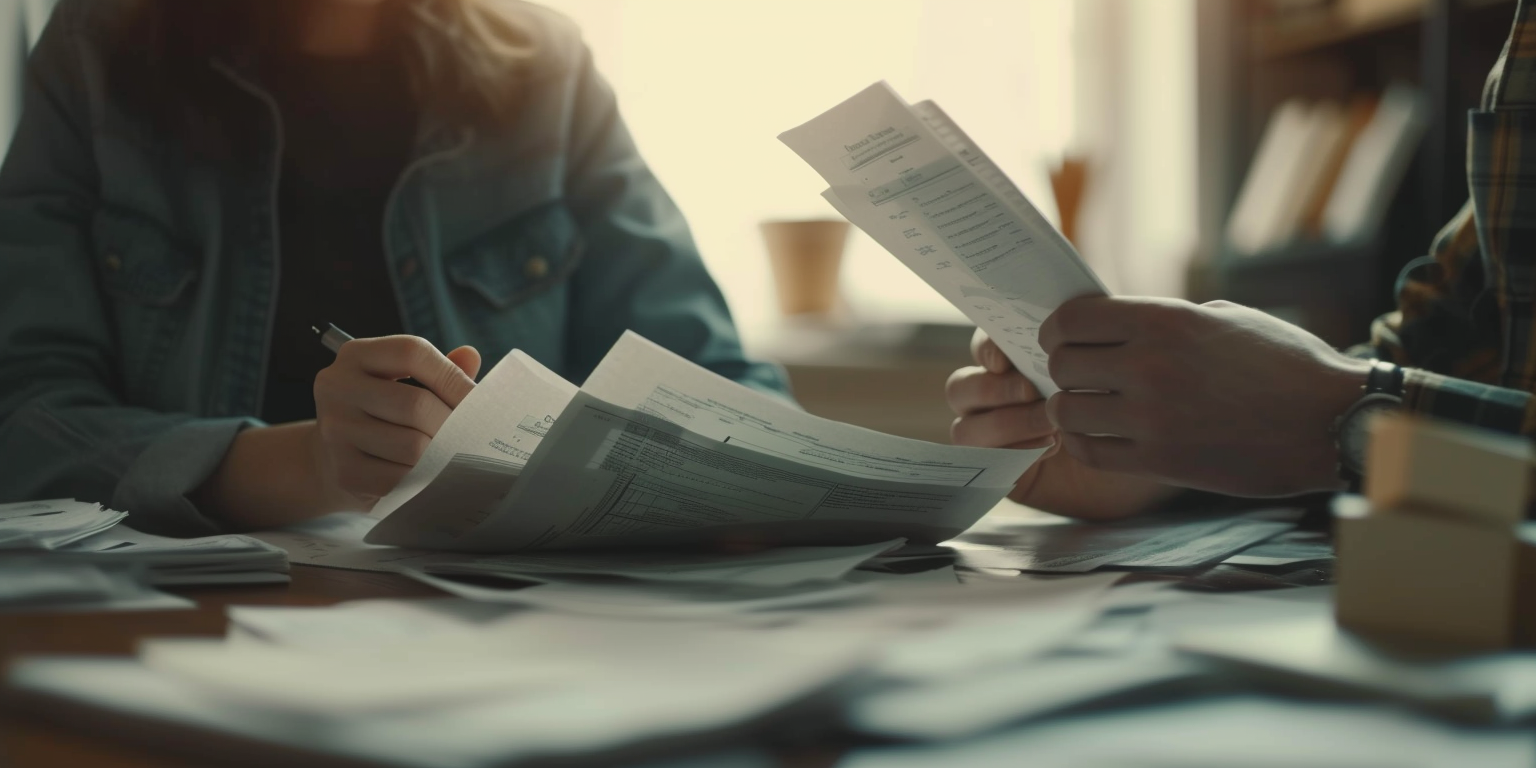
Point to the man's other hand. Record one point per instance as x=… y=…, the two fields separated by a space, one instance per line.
x=996 y=407
x=1218 y=397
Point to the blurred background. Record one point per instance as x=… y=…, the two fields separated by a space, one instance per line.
x=1291 y=155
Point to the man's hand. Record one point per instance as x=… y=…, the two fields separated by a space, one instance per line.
x=370 y=428
x=1218 y=397
x=998 y=408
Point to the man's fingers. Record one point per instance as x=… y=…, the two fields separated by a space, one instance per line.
x=1089 y=320
x=399 y=404
x=400 y=357
x=467 y=359
x=1092 y=413
x=1111 y=454
x=974 y=389
x=1096 y=368
x=1003 y=426
x=988 y=354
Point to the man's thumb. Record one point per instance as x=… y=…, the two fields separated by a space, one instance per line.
x=467 y=359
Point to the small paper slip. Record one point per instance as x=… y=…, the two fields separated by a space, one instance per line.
x=915 y=182
x=1286 y=549
x=1082 y=547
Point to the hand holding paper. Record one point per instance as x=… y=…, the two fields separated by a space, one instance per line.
x=911 y=179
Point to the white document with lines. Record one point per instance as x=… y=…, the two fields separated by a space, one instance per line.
x=915 y=182
x=655 y=451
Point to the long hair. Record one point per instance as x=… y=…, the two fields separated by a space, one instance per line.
x=462 y=54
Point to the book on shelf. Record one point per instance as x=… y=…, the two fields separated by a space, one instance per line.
x=1326 y=172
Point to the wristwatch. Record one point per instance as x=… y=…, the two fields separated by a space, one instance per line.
x=1383 y=393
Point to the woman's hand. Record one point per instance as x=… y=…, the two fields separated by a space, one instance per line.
x=997 y=407
x=370 y=428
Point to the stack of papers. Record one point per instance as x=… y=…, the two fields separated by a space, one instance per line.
x=229 y=559
x=41 y=525
x=72 y=555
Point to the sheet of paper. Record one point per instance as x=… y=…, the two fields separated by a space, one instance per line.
x=1313 y=648
x=774 y=567
x=911 y=179
x=43 y=585
x=964 y=706
x=383 y=622
x=52 y=524
x=670 y=682
x=609 y=477
x=362 y=678
x=337 y=541
x=640 y=375
x=1286 y=549
x=475 y=457
x=1082 y=547
x=1228 y=731
x=653 y=601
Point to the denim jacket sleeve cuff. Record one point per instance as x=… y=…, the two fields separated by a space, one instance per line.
x=155 y=489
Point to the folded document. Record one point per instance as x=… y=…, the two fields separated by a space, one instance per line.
x=909 y=177
x=654 y=451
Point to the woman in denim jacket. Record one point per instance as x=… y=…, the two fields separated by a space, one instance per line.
x=194 y=184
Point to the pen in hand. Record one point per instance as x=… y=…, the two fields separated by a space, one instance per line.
x=332 y=338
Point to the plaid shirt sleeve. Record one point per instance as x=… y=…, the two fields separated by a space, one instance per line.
x=1465 y=321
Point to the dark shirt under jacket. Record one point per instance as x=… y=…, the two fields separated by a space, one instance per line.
x=348 y=125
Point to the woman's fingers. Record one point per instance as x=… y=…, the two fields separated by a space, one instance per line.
x=402 y=357
x=366 y=477
x=382 y=399
x=467 y=359
x=380 y=439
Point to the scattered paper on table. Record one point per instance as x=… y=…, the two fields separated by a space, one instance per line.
x=1081 y=547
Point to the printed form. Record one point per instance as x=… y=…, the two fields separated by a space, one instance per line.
x=657 y=451
x=916 y=183
x=475 y=457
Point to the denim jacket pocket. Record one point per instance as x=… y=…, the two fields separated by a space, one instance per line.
x=526 y=257
x=139 y=261
x=146 y=275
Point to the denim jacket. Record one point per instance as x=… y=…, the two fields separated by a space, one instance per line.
x=137 y=286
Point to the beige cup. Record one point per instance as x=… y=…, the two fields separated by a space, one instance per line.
x=806 y=256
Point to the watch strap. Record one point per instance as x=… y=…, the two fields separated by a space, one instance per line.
x=1384 y=381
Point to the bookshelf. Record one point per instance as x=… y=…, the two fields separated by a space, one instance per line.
x=1252 y=60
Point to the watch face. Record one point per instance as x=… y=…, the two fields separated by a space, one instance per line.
x=1354 y=435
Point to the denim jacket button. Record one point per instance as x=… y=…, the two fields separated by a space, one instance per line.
x=114 y=262
x=536 y=267
x=408 y=267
